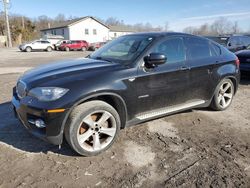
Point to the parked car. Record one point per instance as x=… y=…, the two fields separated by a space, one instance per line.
x=234 y=43
x=74 y=45
x=244 y=57
x=53 y=39
x=58 y=44
x=96 y=45
x=37 y=45
x=133 y=79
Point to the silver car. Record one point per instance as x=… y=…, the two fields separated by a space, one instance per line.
x=37 y=45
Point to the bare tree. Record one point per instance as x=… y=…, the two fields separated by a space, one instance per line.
x=220 y=26
x=190 y=30
x=113 y=21
x=60 y=18
x=235 y=28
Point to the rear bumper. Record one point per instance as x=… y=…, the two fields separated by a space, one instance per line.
x=52 y=133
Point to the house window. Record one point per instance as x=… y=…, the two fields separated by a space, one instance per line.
x=62 y=31
x=115 y=34
x=94 y=32
x=86 y=31
x=53 y=32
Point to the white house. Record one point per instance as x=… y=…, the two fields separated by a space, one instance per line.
x=86 y=28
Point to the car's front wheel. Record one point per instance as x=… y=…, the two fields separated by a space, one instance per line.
x=92 y=127
x=28 y=49
x=223 y=95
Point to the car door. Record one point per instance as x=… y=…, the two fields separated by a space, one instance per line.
x=202 y=58
x=167 y=84
x=44 y=44
x=36 y=45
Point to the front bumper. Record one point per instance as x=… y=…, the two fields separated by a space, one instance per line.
x=52 y=133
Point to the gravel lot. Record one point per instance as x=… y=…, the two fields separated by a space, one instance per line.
x=197 y=148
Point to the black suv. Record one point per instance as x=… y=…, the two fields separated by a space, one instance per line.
x=130 y=80
x=234 y=42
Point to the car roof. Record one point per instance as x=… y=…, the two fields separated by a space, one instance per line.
x=161 y=34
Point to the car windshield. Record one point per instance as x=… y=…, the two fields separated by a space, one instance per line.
x=124 y=49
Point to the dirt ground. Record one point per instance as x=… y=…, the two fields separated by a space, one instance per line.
x=196 y=148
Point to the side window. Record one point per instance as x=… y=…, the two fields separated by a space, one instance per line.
x=246 y=40
x=173 y=49
x=94 y=32
x=214 y=50
x=197 y=48
x=235 y=41
x=44 y=42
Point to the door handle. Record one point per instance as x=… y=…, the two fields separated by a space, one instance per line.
x=184 y=68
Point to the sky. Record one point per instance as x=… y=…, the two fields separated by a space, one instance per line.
x=177 y=13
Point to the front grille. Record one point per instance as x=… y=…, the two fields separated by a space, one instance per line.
x=21 y=89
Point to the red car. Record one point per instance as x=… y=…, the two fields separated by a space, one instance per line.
x=74 y=45
x=95 y=46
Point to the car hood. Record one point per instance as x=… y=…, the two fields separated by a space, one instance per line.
x=243 y=53
x=66 y=70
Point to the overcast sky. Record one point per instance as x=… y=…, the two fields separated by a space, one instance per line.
x=179 y=14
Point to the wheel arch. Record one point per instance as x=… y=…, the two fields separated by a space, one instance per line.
x=112 y=99
x=28 y=47
x=232 y=78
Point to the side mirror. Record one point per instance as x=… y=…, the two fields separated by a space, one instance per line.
x=155 y=59
x=229 y=44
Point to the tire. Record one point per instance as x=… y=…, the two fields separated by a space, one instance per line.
x=83 y=132
x=67 y=49
x=83 y=49
x=223 y=95
x=28 y=49
x=49 y=49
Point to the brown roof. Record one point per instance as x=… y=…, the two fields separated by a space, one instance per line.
x=117 y=28
x=72 y=22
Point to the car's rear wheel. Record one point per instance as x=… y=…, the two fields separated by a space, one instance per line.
x=92 y=127
x=49 y=49
x=83 y=49
x=67 y=49
x=28 y=49
x=223 y=95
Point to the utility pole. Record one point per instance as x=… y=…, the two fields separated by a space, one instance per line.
x=5 y=3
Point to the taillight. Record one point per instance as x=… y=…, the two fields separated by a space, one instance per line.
x=237 y=62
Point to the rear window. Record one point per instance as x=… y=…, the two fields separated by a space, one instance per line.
x=214 y=49
x=197 y=48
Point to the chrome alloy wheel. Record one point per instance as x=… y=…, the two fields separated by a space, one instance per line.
x=225 y=94
x=96 y=131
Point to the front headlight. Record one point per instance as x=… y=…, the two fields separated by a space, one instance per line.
x=47 y=93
